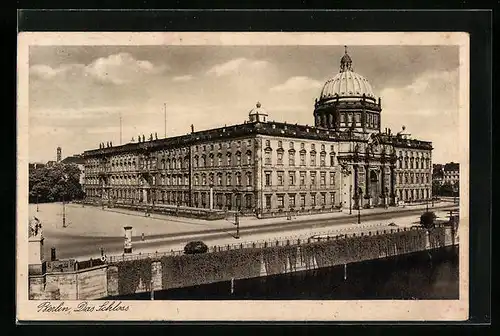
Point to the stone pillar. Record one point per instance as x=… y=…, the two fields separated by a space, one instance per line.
x=35 y=250
x=127 y=247
x=368 y=195
x=382 y=184
x=393 y=198
x=144 y=195
x=211 y=198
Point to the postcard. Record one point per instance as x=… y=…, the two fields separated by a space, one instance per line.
x=229 y=176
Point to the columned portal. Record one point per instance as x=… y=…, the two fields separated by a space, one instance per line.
x=375 y=187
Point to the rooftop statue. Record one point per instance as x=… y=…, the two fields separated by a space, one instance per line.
x=35 y=227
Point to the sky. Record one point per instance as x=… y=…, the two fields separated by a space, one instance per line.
x=78 y=94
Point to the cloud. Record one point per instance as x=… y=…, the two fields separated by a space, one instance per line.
x=185 y=78
x=121 y=68
x=114 y=69
x=76 y=113
x=429 y=94
x=45 y=72
x=297 y=84
x=236 y=65
x=429 y=108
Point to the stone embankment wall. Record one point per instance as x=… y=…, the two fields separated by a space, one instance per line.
x=87 y=284
x=135 y=276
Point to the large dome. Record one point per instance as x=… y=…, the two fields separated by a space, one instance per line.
x=347 y=84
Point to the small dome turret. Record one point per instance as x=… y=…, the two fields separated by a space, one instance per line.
x=258 y=113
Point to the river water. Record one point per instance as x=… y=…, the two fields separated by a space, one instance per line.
x=422 y=275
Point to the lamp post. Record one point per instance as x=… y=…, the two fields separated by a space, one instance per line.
x=236 y=216
x=360 y=195
x=237 y=223
x=64 y=179
x=64 y=212
x=350 y=199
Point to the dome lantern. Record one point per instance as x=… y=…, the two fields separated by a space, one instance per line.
x=345 y=62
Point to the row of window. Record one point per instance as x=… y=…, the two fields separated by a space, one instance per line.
x=219 y=145
x=372 y=120
x=410 y=162
x=302 y=158
x=413 y=178
x=414 y=154
x=299 y=200
x=414 y=194
x=292 y=178
x=217 y=179
x=221 y=160
x=221 y=200
x=302 y=145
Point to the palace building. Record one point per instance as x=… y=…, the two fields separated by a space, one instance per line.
x=266 y=167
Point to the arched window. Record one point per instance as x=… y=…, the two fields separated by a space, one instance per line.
x=203 y=161
x=228 y=159
x=249 y=157
x=238 y=159
x=332 y=159
x=249 y=178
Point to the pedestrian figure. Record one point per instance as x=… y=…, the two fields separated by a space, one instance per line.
x=142 y=236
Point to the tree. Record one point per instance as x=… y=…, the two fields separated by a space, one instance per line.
x=49 y=184
x=436 y=188
x=447 y=189
x=428 y=220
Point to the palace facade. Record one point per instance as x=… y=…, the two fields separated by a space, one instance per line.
x=259 y=166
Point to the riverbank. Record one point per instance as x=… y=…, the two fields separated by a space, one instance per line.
x=165 y=272
x=428 y=275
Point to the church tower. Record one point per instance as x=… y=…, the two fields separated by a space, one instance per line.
x=59 y=154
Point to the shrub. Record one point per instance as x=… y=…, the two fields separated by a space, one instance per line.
x=427 y=219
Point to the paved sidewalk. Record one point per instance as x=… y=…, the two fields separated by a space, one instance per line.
x=165 y=245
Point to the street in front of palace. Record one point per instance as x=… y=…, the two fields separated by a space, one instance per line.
x=88 y=229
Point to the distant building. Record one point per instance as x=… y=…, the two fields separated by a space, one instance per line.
x=451 y=173
x=268 y=167
x=448 y=173
x=59 y=154
x=51 y=163
x=79 y=161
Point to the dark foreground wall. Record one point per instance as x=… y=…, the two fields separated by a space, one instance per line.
x=135 y=276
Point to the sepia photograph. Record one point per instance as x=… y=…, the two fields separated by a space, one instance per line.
x=186 y=176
